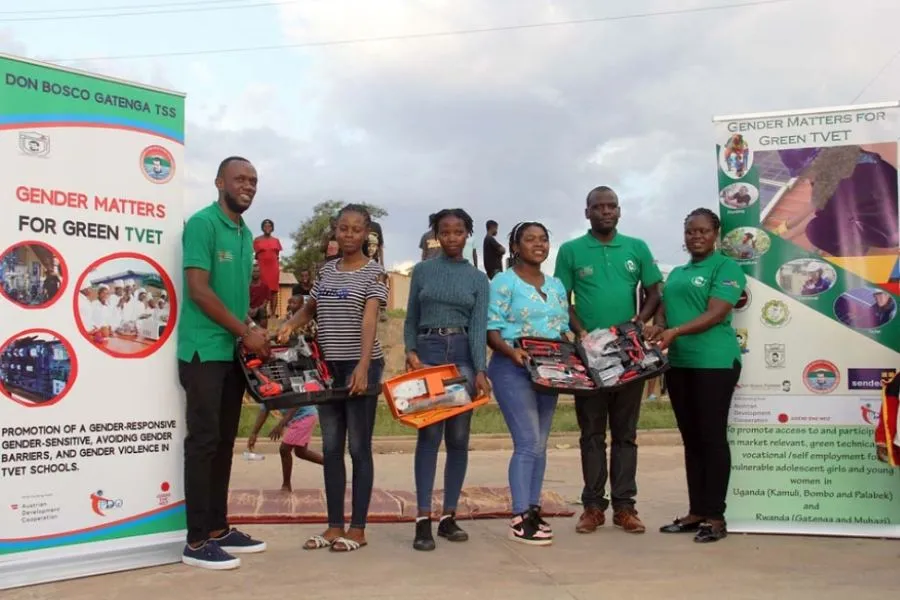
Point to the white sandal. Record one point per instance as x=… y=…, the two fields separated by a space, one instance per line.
x=319 y=541
x=349 y=545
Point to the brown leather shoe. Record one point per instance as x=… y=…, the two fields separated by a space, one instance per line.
x=590 y=520
x=627 y=519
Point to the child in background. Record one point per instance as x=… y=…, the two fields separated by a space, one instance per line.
x=297 y=425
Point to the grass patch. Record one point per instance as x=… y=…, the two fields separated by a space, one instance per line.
x=487 y=419
x=397 y=313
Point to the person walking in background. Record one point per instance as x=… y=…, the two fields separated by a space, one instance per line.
x=446 y=323
x=267 y=249
x=374 y=249
x=304 y=284
x=259 y=298
x=429 y=244
x=601 y=271
x=296 y=425
x=213 y=316
x=330 y=247
x=470 y=253
x=694 y=323
x=525 y=302
x=492 y=251
x=345 y=301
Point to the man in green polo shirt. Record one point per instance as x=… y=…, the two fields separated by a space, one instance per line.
x=217 y=248
x=601 y=272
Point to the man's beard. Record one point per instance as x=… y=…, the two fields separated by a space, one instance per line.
x=232 y=204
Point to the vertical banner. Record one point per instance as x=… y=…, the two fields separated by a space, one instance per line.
x=809 y=208
x=90 y=410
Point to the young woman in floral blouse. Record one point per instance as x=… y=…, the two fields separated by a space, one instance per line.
x=525 y=302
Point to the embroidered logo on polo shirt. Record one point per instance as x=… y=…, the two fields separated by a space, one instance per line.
x=224 y=255
x=699 y=281
x=730 y=283
x=630 y=265
x=585 y=271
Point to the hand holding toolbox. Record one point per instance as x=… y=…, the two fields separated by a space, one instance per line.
x=292 y=376
x=426 y=396
x=605 y=359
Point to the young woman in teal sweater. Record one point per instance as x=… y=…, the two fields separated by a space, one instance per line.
x=446 y=322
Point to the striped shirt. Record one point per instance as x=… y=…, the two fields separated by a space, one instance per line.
x=341 y=298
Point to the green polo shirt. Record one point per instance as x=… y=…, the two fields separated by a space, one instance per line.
x=686 y=296
x=604 y=277
x=213 y=242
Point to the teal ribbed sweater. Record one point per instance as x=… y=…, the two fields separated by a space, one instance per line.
x=449 y=293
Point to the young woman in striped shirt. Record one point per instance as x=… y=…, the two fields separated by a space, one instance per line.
x=345 y=301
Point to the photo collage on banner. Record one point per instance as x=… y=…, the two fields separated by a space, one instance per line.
x=809 y=209
x=91 y=416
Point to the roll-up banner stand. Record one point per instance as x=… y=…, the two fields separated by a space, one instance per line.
x=808 y=201
x=91 y=412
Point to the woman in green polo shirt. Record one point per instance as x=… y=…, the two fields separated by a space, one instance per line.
x=694 y=323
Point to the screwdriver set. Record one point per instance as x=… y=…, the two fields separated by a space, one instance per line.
x=557 y=366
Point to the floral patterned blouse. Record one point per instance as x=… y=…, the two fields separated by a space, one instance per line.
x=516 y=309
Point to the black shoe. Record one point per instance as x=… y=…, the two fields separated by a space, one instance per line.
x=448 y=528
x=524 y=530
x=424 y=540
x=539 y=521
x=678 y=526
x=708 y=533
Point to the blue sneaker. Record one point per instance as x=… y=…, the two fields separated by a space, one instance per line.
x=237 y=542
x=209 y=556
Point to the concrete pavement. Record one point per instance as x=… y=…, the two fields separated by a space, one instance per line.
x=607 y=564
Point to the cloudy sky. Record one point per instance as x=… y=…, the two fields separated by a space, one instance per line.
x=510 y=124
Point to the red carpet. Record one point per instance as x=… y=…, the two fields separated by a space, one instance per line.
x=388 y=506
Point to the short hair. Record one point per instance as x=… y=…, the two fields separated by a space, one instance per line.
x=228 y=161
x=705 y=212
x=491 y=223
x=599 y=189
x=269 y=221
x=453 y=212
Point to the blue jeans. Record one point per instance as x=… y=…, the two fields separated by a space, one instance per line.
x=443 y=350
x=354 y=419
x=528 y=416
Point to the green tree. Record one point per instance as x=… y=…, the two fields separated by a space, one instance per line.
x=309 y=238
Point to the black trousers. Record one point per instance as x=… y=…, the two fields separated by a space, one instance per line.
x=619 y=410
x=215 y=391
x=701 y=399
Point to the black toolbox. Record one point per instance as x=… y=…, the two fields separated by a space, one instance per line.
x=292 y=376
x=604 y=360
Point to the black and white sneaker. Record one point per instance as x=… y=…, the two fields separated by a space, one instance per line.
x=525 y=530
x=209 y=556
x=448 y=528
x=543 y=525
x=238 y=542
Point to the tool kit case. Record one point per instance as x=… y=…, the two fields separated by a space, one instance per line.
x=605 y=359
x=429 y=395
x=292 y=376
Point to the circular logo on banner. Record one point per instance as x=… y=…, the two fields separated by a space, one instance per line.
x=775 y=313
x=744 y=301
x=157 y=164
x=821 y=377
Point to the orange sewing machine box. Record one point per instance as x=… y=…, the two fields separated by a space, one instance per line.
x=426 y=396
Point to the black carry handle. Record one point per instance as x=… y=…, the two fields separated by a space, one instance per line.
x=454 y=380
